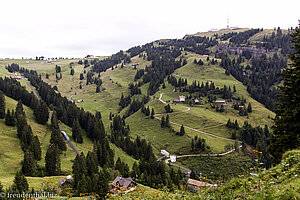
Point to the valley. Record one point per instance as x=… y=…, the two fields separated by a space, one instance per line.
x=192 y=97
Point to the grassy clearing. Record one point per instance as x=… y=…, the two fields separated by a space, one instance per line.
x=126 y=75
x=39 y=65
x=106 y=101
x=163 y=138
x=160 y=138
x=119 y=153
x=220 y=166
x=11 y=153
x=265 y=33
x=69 y=84
x=36 y=182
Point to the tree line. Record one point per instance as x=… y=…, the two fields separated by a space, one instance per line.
x=260 y=77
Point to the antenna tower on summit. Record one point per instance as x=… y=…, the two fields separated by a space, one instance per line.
x=227 y=21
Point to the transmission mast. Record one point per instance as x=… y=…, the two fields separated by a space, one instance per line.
x=227 y=21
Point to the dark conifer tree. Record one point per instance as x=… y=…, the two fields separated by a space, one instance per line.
x=81 y=76
x=244 y=147
x=163 y=122
x=236 y=125
x=20 y=182
x=229 y=125
x=9 y=118
x=41 y=112
x=249 y=108
x=79 y=169
x=13 y=118
x=97 y=88
x=26 y=137
x=92 y=163
x=147 y=111
x=286 y=134
x=182 y=131
x=102 y=184
x=19 y=108
x=168 y=121
x=52 y=161
x=2 y=105
x=20 y=118
x=35 y=148
x=77 y=132
x=82 y=186
x=29 y=165
x=152 y=114
x=56 y=136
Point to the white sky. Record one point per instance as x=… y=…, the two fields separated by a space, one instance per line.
x=73 y=28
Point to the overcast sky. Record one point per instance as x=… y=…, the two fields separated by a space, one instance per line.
x=72 y=28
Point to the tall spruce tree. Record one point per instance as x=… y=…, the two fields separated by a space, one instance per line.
x=10 y=118
x=286 y=131
x=52 y=161
x=182 y=131
x=41 y=112
x=76 y=131
x=29 y=165
x=168 y=121
x=56 y=136
x=102 y=184
x=26 y=137
x=13 y=118
x=35 y=148
x=2 y=105
x=82 y=186
x=152 y=113
x=163 y=122
x=20 y=182
x=19 y=108
x=79 y=169
x=92 y=163
x=249 y=108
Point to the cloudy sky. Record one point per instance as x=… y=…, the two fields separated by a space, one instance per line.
x=76 y=28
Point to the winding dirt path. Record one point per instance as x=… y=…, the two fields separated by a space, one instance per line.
x=190 y=155
x=188 y=109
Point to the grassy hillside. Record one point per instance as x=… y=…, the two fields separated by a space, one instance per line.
x=115 y=82
x=40 y=65
x=201 y=117
x=221 y=166
x=13 y=157
x=219 y=32
x=279 y=182
x=259 y=116
x=11 y=153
